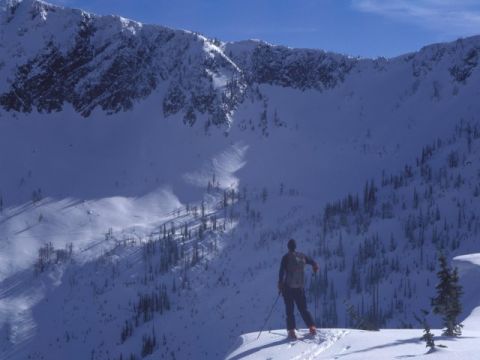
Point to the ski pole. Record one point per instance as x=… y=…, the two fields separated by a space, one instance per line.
x=316 y=294
x=269 y=314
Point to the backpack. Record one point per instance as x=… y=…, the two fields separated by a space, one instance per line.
x=295 y=270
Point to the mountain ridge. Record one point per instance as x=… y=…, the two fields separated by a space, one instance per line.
x=112 y=63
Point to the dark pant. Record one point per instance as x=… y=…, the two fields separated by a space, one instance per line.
x=297 y=296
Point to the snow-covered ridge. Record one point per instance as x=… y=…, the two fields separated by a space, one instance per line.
x=52 y=56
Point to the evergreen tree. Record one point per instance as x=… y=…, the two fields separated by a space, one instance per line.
x=440 y=302
x=428 y=337
x=455 y=306
x=149 y=343
x=447 y=302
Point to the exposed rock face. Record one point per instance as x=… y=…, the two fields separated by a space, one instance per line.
x=297 y=68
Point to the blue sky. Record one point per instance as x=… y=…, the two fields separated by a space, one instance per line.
x=356 y=27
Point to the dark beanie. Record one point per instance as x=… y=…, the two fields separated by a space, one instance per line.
x=292 y=245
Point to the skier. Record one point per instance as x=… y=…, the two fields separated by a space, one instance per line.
x=291 y=285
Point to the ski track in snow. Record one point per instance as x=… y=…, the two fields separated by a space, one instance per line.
x=276 y=345
x=321 y=343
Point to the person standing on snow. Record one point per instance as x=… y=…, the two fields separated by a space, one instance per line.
x=291 y=281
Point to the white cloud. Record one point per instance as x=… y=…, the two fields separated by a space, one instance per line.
x=453 y=17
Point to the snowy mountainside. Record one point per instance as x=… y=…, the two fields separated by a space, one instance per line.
x=431 y=206
x=131 y=81
x=130 y=227
x=52 y=56
x=169 y=272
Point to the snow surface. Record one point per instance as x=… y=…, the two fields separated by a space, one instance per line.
x=356 y=345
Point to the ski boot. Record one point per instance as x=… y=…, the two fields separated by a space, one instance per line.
x=292 y=335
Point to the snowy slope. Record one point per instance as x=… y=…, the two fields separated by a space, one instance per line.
x=356 y=344
x=161 y=164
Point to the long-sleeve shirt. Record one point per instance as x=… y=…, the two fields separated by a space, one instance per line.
x=292 y=266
